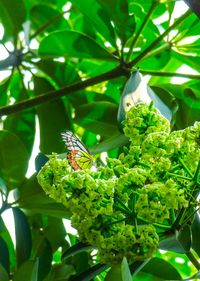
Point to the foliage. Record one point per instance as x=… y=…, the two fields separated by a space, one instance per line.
x=66 y=66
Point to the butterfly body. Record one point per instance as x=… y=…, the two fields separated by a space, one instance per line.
x=78 y=156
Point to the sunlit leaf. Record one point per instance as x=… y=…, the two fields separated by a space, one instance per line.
x=41 y=14
x=96 y=117
x=51 y=125
x=98 y=17
x=119 y=14
x=70 y=43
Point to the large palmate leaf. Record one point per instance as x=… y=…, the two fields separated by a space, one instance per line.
x=98 y=17
x=51 y=125
x=13 y=159
x=23 y=236
x=119 y=14
x=96 y=117
x=74 y=44
x=13 y=15
x=41 y=14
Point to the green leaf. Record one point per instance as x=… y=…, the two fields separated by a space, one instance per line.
x=184 y=237
x=126 y=274
x=12 y=15
x=43 y=14
x=4 y=257
x=117 y=140
x=78 y=46
x=62 y=73
x=96 y=117
x=195 y=276
x=91 y=272
x=97 y=16
x=195 y=234
x=23 y=125
x=45 y=259
x=191 y=61
x=28 y=271
x=119 y=14
x=3 y=188
x=166 y=270
x=3 y=274
x=114 y=274
x=55 y=238
x=6 y=236
x=40 y=160
x=32 y=198
x=188 y=98
x=179 y=242
x=13 y=159
x=157 y=62
x=4 y=85
x=51 y=125
x=61 y=272
x=23 y=236
x=75 y=249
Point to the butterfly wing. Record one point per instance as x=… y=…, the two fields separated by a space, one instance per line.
x=78 y=155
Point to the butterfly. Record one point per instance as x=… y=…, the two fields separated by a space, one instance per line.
x=78 y=156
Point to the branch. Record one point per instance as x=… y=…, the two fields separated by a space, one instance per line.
x=135 y=38
x=170 y=74
x=52 y=95
x=155 y=42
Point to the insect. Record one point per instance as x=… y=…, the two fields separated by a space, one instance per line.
x=78 y=156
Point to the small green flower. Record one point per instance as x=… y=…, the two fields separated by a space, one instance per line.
x=150 y=178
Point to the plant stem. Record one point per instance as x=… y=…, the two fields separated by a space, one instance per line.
x=56 y=94
x=125 y=208
x=172 y=216
x=185 y=167
x=155 y=42
x=178 y=218
x=179 y=176
x=193 y=260
x=158 y=50
x=47 y=24
x=170 y=74
x=196 y=174
x=135 y=38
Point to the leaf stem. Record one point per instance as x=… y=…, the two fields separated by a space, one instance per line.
x=179 y=176
x=185 y=167
x=196 y=174
x=47 y=24
x=136 y=37
x=125 y=208
x=170 y=74
x=159 y=50
x=158 y=40
x=193 y=260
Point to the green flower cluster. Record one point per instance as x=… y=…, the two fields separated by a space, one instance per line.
x=116 y=208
